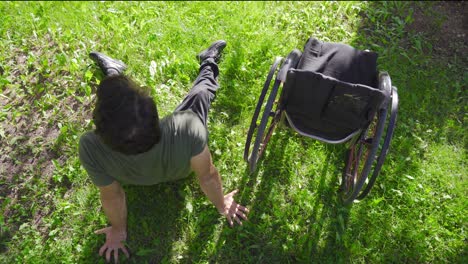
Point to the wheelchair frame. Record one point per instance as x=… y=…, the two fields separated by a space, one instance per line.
x=366 y=154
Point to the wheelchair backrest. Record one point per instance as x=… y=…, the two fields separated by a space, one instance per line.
x=318 y=103
x=340 y=61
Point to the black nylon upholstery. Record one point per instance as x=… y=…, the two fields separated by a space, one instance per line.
x=340 y=61
x=319 y=104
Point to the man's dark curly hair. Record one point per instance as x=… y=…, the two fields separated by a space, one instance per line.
x=125 y=116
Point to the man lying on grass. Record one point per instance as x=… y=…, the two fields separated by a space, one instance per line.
x=132 y=145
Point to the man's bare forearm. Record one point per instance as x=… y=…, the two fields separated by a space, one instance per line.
x=210 y=183
x=212 y=186
x=115 y=208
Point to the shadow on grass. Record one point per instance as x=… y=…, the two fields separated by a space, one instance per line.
x=231 y=93
x=252 y=245
x=262 y=239
x=431 y=107
x=155 y=222
x=329 y=217
x=422 y=62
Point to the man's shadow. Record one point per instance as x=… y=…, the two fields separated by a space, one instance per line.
x=154 y=220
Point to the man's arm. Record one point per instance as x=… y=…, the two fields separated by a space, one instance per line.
x=115 y=207
x=210 y=183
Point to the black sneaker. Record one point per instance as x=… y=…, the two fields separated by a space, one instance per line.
x=213 y=51
x=107 y=64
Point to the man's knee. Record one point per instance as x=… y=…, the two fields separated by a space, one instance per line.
x=205 y=95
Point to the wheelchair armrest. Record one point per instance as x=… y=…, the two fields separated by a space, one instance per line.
x=290 y=62
x=385 y=85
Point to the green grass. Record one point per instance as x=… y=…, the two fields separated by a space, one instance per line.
x=416 y=213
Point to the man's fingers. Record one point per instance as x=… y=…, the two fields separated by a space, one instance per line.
x=235 y=211
x=237 y=219
x=116 y=255
x=242 y=208
x=108 y=252
x=102 y=249
x=242 y=215
x=238 y=208
x=229 y=220
x=125 y=251
x=100 y=231
x=232 y=193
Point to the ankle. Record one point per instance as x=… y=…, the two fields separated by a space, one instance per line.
x=211 y=63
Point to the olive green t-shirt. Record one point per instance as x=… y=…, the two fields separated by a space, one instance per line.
x=183 y=136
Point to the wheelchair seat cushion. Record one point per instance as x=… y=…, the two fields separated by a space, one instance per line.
x=323 y=106
x=340 y=61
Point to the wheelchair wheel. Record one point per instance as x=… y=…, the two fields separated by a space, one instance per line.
x=258 y=130
x=390 y=124
x=362 y=154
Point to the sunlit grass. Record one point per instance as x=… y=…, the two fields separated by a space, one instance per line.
x=416 y=212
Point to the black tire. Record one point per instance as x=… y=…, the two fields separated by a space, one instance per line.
x=391 y=122
x=269 y=117
x=253 y=124
x=361 y=157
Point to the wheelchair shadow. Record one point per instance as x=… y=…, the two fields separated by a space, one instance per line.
x=256 y=192
x=329 y=214
x=326 y=221
x=329 y=217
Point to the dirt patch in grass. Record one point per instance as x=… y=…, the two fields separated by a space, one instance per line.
x=36 y=102
x=446 y=27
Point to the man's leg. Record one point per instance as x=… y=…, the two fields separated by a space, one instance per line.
x=204 y=88
x=203 y=91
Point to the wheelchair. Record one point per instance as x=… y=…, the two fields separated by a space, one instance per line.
x=333 y=93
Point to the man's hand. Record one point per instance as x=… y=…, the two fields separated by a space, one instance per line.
x=210 y=183
x=114 y=242
x=234 y=211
